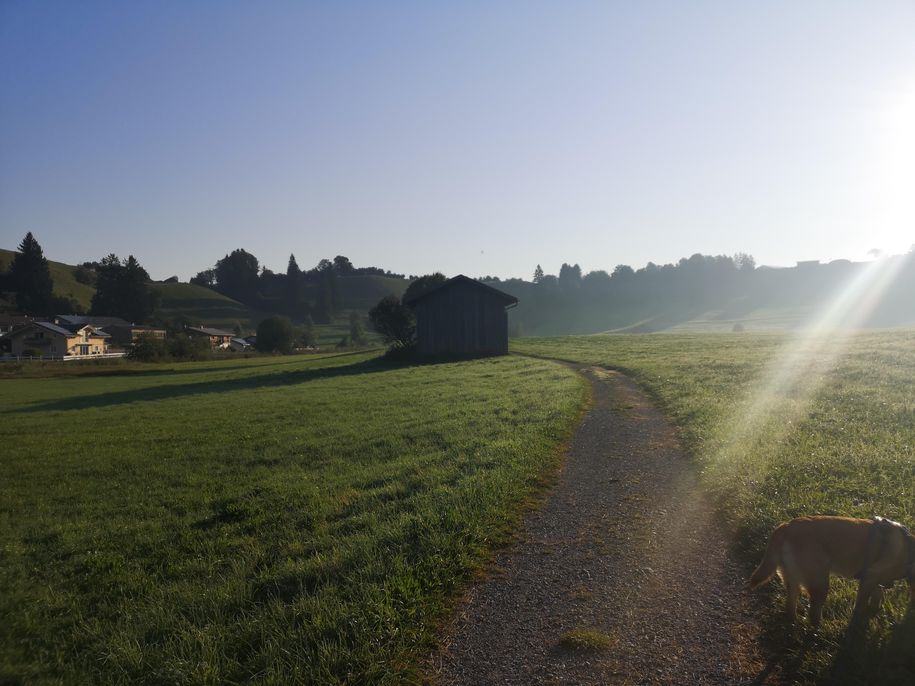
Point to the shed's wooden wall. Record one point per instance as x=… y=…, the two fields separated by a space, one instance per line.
x=461 y=320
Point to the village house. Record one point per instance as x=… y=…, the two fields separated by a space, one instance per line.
x=45 y=339
x=219 y=339
x=122 y=332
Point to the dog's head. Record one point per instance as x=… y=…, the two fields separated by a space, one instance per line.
x=887 y=526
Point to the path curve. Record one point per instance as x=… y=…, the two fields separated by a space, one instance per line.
x=624 y=545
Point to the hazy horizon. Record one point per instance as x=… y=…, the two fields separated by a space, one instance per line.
x=472 y=139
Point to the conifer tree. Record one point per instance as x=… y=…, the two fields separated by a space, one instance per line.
x=538 y=274
x=30 y=277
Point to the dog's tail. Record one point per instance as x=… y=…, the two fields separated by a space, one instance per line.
x=771 y=559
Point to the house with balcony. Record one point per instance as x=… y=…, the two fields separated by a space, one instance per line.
x=45 y=339
x=123 y=333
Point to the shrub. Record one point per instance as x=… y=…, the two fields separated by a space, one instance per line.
x=84 y=274
x=148 y=348
x=356 y=332
x=275 y=334
x=183 y=347
x=394 y=321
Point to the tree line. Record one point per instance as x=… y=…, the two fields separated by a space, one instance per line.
x=658 y=296
x=121 y=285
x=298 y=293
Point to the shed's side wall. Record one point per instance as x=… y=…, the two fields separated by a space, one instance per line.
x=461 y=321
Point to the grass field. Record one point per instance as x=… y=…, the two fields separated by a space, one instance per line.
x=782 y=427
x=263 y=520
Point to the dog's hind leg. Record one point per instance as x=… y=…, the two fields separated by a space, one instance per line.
x=793 y=591
x=792 y=579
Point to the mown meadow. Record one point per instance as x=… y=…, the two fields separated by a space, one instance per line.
x=267 y=520
x=783 y=425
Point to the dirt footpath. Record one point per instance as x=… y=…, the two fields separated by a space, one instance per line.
x=624 y=547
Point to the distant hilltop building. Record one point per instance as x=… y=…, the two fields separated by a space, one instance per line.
x=462 y=317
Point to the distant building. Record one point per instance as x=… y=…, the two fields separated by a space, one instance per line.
x=122 y=332
x=10 y=322
x=219 y=339
x=239 y=344
x=50 y=340
x=462 y=317
x=128 y=335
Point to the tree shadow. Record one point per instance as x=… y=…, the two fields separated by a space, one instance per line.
x=267 y=362
x=153 y=393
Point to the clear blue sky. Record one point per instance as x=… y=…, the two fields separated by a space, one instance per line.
x=482 y=138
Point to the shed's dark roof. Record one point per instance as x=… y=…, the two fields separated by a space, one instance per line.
x=460 y=279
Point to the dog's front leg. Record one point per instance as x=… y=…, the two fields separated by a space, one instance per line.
x=864 y=604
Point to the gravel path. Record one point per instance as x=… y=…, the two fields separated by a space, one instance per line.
x=624 y=546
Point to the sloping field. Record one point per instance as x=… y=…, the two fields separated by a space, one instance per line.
x=65 y=283
x=200 y=305
x=363 y=291
x=269 y=520
x=783 y=426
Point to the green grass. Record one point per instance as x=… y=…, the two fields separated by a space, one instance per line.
x=837 y=436
x=204 y=306
x=586 y=640
x=263 y=520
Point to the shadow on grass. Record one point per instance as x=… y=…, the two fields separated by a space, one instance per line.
x=257 y=362
x=867 y=661
x=255 y=381
x=864 y=658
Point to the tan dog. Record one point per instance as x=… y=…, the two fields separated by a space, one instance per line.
x=806 y=550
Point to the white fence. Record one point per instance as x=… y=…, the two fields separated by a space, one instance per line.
x=58 y=358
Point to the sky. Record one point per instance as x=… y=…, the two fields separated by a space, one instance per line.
x=476 y=137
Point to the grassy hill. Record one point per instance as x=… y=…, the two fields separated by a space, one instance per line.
x=65 y=283
x=198 y=305
x=363 y=291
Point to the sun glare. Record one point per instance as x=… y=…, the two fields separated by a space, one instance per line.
x=785 y=390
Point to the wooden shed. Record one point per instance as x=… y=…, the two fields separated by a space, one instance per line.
x=462 y=317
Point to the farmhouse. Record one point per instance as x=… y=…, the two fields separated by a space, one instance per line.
x=122 y=332
x=462 y=317
x=51 y=340
x=219 y=339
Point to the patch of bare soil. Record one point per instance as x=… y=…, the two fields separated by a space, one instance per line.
x=622 y=577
